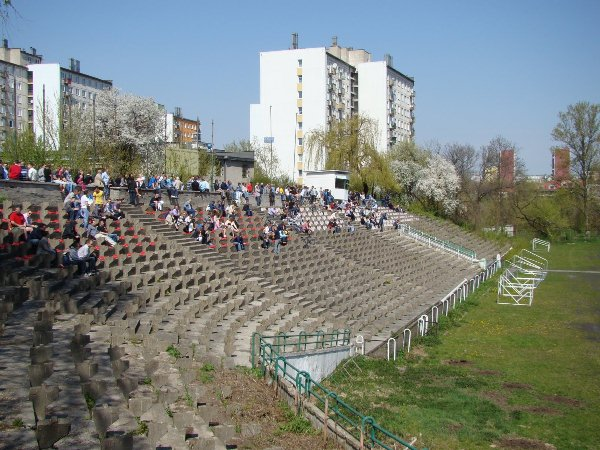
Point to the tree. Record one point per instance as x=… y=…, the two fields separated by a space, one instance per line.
x=349 y=144
x=426 y=177
x=130 y=129
x=546 y=213
x=463 y=157
x=437 y=185
x=24 y=147
x=406 y=159
x=6 y=7
x=579 y=129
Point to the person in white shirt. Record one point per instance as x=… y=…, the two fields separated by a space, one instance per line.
x=32 y=173
x=86 y=203
x=84 y=254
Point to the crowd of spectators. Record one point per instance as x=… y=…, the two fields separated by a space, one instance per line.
x=87 y=199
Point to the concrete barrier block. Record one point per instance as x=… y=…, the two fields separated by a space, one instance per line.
x=49 y=431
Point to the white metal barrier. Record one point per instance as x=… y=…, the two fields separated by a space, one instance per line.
x=535 y=243
x=517 y=284
x=518 y=289
x=423 y=325
x=360 y=343
x=405 y=340
x=391 y=341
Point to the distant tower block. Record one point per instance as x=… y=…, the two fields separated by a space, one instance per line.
x=507 y=167
x=561 y=164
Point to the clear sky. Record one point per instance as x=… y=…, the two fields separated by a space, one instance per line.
x=482 y=68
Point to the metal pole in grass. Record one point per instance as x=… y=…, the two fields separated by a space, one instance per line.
x=325 y=419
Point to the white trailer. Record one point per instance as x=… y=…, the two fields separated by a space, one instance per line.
x=336 y=181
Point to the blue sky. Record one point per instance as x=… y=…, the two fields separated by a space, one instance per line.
x=482 y=68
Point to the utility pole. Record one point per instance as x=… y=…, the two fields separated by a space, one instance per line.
x=212 y=153
x=44 y=115
x=94 y=129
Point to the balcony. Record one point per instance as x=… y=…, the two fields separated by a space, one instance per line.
x=299 y=103
x=299 y=71
x=300 y=150
x=298 y=86
x=300 y=165
x=299 y=133
x=299 y=118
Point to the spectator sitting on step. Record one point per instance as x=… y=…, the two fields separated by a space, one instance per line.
x=18 y=223
x=44 y=247
x=187 y=207
x=98 y=232
x=306 y=227
x=156 y=202
x=273 y=211
x=349 y=226
x=187 y=222
x=36 y=235
x=238 y=242
x=87 y=256
x=173 y=217
x=112 y=210
x=231 y=226
x=266 y=235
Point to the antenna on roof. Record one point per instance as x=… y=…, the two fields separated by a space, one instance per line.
x=334 y=41
x=294 y=41
x=388 y=59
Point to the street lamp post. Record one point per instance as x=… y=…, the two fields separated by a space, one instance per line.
x=212 y=153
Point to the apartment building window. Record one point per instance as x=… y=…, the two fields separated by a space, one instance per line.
x=299 y=94
x=299 y=78
x=299 y=141
x=245 y=171
x=299 y=125
x=19 y=112
x=19 y=86
x=299 y=109
x=299 y=63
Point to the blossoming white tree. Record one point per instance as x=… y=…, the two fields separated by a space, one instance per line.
x=429 y=178
x=438 y=183
x=130 y=129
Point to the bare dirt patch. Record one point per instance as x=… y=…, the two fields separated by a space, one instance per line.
x=458 y=362
x=524 y=443
x=564 y=400
x=497 y=397
x=489 y=372
x=251 y=405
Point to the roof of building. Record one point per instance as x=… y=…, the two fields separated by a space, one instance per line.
x=234 y=156
x=86 y=75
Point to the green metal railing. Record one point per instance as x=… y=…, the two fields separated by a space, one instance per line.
x=437 y=242
x=363 y=428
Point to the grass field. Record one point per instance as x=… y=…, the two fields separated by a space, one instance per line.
x=498 y=375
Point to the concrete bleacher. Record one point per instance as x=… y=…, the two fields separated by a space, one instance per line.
x=450 y=232
x=72 y=348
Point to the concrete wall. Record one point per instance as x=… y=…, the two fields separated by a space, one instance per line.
x=320 y=363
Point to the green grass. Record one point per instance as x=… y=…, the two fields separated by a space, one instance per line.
x=173 y=351
x=498 y=371
x=206 y=373
x=294 y=423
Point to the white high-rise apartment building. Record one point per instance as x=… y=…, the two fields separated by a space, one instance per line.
x=306 y=89
x=60 y=91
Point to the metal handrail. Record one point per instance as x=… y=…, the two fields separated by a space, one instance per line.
x=437 y=242
x=363 y=428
